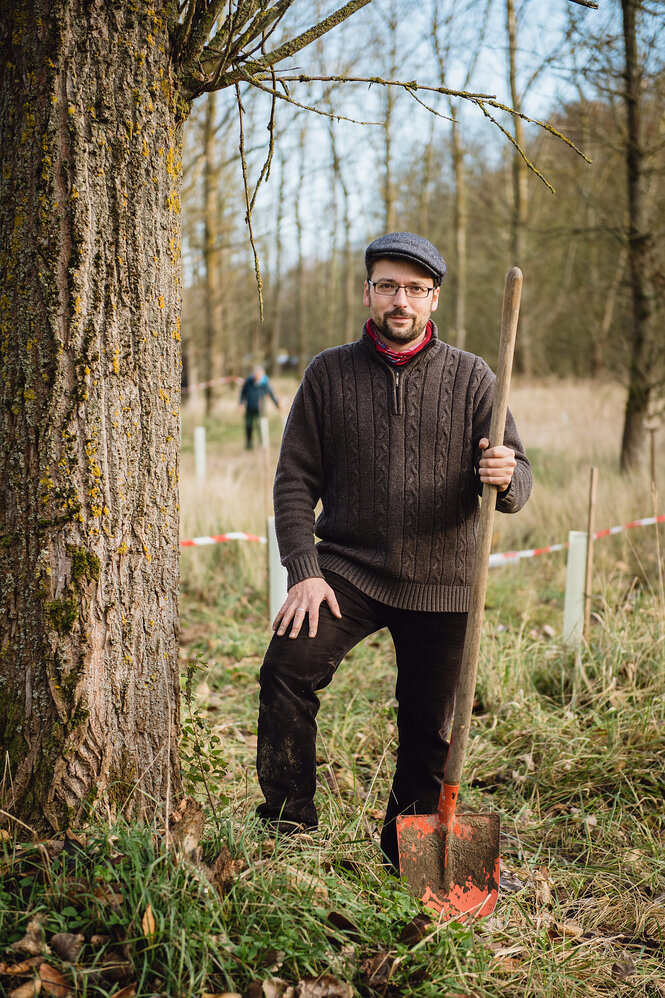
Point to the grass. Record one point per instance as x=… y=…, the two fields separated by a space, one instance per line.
x=567 y=746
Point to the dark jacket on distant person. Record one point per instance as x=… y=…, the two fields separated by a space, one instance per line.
x=253 y=393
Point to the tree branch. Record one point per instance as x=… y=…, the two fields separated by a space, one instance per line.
x=586 y=3
x=195 y=58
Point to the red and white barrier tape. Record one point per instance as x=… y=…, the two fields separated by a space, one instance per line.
x=646 y=521
x=499 y=558
x=237 y=535
x=495 y=559
x=226 y=380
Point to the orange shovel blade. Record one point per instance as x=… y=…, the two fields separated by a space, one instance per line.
x=453 y=870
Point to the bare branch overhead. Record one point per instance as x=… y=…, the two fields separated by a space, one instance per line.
x=222 y=62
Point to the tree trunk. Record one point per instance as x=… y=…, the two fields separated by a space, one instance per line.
x=211 y=247
x=460 y=226
x=523 y=354
x=640 y=250
x=275 y=337
x=303 y=337
x=89 y=392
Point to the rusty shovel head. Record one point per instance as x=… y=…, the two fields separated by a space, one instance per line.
x=453 y=870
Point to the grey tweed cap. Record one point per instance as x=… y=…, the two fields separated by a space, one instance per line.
x=408 y=246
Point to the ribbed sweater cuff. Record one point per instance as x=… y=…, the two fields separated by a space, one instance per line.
x=301 y=567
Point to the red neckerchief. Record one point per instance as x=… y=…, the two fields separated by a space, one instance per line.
x=397 y=356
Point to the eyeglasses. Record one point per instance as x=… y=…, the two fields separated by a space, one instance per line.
x=390 y=288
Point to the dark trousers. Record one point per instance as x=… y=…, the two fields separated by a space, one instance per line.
x=428 y=648
x=252 y=417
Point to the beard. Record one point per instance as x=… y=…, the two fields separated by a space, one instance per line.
x=400 y=334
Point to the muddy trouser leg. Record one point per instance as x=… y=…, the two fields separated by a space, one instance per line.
x=293 y=670
x=429 y=654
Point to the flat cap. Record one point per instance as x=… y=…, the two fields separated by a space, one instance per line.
x=408 y=246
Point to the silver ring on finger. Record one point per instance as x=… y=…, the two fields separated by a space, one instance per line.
x=303 y=608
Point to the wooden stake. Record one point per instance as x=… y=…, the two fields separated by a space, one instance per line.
x=591 y=529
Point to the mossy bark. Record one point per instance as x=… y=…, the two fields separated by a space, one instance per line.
x=89 y=407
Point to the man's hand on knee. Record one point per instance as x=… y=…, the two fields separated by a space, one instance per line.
x=304 y=600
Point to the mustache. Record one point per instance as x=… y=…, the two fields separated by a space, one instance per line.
x=398 y=313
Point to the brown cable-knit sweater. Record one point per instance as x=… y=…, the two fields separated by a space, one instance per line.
x=392 y=452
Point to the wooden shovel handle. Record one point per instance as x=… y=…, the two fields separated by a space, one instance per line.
x=466 y=686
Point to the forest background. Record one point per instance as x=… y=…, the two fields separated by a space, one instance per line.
x=446 y=171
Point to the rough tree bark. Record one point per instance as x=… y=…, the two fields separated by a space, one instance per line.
x=89 y=313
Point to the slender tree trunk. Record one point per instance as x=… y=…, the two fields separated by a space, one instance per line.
x=211 y=247
x=303 y=338
x=89 y=393
x=460 y=227
x=278 y=297
x=640 y=249
x=519 y=216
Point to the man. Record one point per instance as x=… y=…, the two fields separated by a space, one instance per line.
x=253 y=392
x=391 y=433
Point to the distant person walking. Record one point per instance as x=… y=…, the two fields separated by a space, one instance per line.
x=253 y=392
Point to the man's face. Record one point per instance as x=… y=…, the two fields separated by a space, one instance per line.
x=401 y=320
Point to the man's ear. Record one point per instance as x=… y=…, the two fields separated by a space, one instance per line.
x=435 y=299
x=366 y=294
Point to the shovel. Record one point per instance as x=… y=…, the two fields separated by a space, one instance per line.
x=451 y=861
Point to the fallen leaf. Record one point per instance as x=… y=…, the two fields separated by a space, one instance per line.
x=568 y=929
x=414 y=931
x=98 y=939
x=27 y=990
x=186 y=825
x=343 y=924
x=623 y=968
x=510 y=883
x=128 y=992
x=255 y=990
x=325 y=986
x=507 y=963
x=53 y=981
x=542 y=886
x=148 y=923
x=77 y=840
x=275 y=987
x=32 y=942
x=377 y=968
x=500 y=952
x=24 y=967
x=67 y=945
x=225 y=870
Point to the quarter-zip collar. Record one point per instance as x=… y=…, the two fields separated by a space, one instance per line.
x=397 y=373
